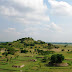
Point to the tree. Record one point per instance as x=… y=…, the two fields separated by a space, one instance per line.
x=50 y=46
x=11 y=51
x=57 y=58
x=5 y=53
x=24 y=51
x=56 y=46
x=66 y=45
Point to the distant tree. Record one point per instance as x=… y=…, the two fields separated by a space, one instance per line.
x=5 y=53
x=35 y=50
x=56 y=46
x=21 y=48
x=11 y=51
x=50 y=46
x=31 y=47
x=24 y=51
x=62 y=49
x=66 y=45
x=30 y=51
x=68 y=50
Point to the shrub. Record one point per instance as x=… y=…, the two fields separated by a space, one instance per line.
x=50 y=46
x=31 y=47
x=35 y=50
x=57 y=58
x=68 y=50
x=66 y=45
x=30 y=51
x=21 y=48
x=11 y=51
x=5 y=53
x=62 y=49
x=24 y=51
x=44 y=52
x=56 y=46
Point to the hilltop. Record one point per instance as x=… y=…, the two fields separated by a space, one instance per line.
x=24 y=43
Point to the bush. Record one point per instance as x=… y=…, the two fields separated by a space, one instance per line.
x=35 y=50
x=68 y=50
x=24 y=51
x=44 y=52
x=50 y=46
x=5 y=53
x=57 y=58
x=56 y=46
x=31 y=47
x=11 y=51
x=21 y=48
x=62 y=49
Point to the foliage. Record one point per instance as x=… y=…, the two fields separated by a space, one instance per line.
x=5 y=53
x=56 y=46
x=24 y=51
x=62 y=49
x=11 y=51
x=50 y=46
x=1 y=46
x=44 y=52
x=57 y=58
x=66 y=45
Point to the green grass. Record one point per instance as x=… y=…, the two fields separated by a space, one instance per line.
x=37 y=66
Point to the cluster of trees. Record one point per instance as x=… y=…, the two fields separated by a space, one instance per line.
x=43 y=52
x=9 y=51
x=24 y=51
x=56 y=58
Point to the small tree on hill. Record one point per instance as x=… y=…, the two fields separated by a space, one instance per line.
x=50 y=46
x=11 y=51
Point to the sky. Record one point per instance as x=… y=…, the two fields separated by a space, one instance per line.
x=46 y=20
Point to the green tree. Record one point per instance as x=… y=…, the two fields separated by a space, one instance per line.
x=57 y=58
x=11 y=51
x=50 y=46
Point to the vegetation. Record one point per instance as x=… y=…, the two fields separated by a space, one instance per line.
x=35 y=56
x=57 y=58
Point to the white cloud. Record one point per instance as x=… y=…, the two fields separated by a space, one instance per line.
x=33 y=4
x=10 y=11
x=61 y=7
x=55 y=27
x=12 y=31
x=52 y=27
x=25 y=11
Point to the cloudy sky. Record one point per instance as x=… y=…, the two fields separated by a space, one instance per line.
x=47 y=20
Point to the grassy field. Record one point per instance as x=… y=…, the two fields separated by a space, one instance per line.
x=38 y=66
x=12 y=56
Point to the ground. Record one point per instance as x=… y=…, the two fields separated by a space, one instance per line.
x=37 y=66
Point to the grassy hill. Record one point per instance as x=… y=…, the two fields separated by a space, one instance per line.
x=34 y=55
